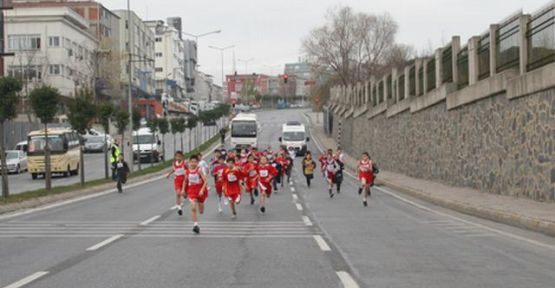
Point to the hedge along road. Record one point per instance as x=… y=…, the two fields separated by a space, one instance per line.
x=94 y=165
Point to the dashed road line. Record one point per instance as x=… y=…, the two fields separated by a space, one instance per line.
x=347 y=280
x=307 y=221
x=27 y=279
x=150 y=220
x=105 y=242
x=292 y=189
x=295 y=197
x=322 y=243
x=299 y=207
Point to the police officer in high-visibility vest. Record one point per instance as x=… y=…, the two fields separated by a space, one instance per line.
x=114 y=156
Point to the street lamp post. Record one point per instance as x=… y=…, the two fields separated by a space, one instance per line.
x=221 y=49
x=197 y=36
x=129 y=89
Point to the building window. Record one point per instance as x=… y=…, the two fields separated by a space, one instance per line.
x=158 y=54
x=54 y=41
x=25 y=73
x=126 y=24
x=56 y=69
x=23 y=42
x=159 y=69
x=158 y=39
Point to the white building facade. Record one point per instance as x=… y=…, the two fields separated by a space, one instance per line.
x=169 y=64
x=52 y=46
x=142 y=54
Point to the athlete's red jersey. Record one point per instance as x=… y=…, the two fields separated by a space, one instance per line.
x=322 y=160
x=232 y=179
x=218 y=173
x=194 y=183
x=283 y=162
x=251 y=174
x=266 y=174
x=365 y=171
x=179 y=171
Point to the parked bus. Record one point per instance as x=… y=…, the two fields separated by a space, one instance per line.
x=64 y=152
x=244 y=131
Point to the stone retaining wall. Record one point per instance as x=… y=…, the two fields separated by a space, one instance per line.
x=494 y=145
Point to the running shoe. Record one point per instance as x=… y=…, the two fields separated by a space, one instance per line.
x=252 y=201
x=365 y=203
x=359 y=191
x=196 y=229
x=262 y=209
x=331 y=194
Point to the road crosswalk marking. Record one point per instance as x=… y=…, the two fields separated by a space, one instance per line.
x=238 y=229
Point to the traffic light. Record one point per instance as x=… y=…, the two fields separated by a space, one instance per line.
x=285 y=78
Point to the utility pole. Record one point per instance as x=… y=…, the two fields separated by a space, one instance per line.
x=129 y=89
x=2 y=46
x=221 y=49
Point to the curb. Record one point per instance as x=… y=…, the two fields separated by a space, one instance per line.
x=513 y=219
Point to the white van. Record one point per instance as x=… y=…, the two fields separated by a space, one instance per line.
x=147 y=145
x=294 y=137
x=244 y=131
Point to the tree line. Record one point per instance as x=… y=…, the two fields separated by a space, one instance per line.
x=82 y=112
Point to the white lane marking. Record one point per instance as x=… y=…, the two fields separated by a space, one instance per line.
x=299 y=207
x=347 y=280
x=307 y=221
x=292 y=189
x=322 y=243
x=184 y=235
x=295 y=197
x=497 y=231
x=27 y=280
x=105 y=242
x=150 y=220
x=87 y=197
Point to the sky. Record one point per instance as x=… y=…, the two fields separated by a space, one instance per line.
x=270 y=32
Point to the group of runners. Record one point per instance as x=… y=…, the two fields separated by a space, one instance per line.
x=258 y=174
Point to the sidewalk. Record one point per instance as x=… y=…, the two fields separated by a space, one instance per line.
x=524 y=213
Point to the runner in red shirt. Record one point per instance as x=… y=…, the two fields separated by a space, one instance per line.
x=218 y=173
x=266 y=173
x=322 y=160
x=249 y=170
x=331 y=166
x=195 y=187
x=233 y=180
x=365 y=169
x=178 y=168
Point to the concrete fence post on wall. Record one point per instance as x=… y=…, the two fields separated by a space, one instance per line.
x=455 y=48
x=366 y=92
x=407 y=82
x=439 y=68
x=473 y=47
x=493 y=49
x=523 y=42
x=385 y=89
x=394 y=85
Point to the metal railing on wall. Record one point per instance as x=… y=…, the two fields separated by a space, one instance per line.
x=483 y=57
x=431 y=75
x=507 y=45
x=541 y=39
x=401 y=87
x=447 y=65
x=462 y=68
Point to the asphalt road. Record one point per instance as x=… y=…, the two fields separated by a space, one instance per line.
x=305 y=239
x=94 y=165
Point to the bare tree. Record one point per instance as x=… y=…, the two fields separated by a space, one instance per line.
x=352 y=46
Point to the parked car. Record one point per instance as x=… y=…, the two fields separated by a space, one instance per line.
x=21 y=146
x=94 y=141
x=16 y=161
x=96 y=144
